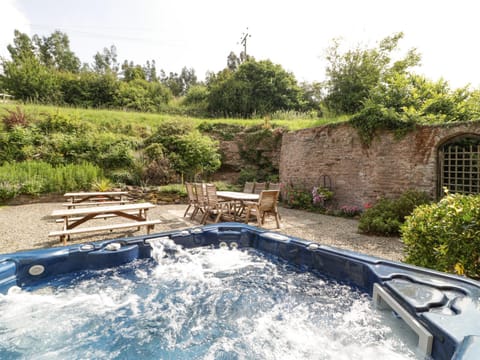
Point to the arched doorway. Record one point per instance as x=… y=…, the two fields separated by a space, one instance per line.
x=459 y=165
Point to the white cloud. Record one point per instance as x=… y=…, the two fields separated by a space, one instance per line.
x=11 y=18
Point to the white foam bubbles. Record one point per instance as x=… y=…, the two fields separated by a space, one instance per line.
x=200 y=303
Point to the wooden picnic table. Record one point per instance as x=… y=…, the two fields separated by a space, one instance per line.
x=78 y=197
x=85 y=198
x=238 y=199
x=75 y=217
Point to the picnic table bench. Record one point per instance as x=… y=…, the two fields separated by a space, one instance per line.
x=72 y=218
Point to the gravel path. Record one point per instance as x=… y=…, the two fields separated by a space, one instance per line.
x=24 y=227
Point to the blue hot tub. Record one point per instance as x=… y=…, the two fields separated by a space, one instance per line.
x=442 y=310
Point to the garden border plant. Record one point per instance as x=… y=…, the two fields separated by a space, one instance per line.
x=387 y=215
x=445 y=236
x=37 y=177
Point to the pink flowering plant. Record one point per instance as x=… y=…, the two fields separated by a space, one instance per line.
x=320 y=195
x=301 y=197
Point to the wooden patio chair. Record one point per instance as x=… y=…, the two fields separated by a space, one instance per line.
x=259 y=187
x=192 y=199
x=274 y=186
x=200 y=199
x=248 y=187
x=266 y=204
x=213 y=205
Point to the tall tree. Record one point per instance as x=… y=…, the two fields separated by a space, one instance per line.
x=25 y=76
x=179 y=84
x=106 y=61
x=233 y=61
x=132 y=71
x=151 y=71
x=54 y=52
x=352 y=76
x=257 y=87
x=188 y=79
x=22 y=47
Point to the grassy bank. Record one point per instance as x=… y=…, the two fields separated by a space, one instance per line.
x=119 y=121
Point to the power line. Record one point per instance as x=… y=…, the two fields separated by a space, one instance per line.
x=78 y=31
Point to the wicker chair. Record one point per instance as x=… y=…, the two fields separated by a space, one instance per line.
x=266 y=204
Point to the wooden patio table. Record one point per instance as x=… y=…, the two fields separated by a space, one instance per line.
x=237 y=198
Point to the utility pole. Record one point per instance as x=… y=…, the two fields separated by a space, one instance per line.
x=243 y=41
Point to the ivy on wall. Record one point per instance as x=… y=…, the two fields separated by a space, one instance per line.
x=373 y=119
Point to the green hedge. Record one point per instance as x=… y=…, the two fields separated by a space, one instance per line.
x=445 y=236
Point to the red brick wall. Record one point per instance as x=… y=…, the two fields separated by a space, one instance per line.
x=361 y=174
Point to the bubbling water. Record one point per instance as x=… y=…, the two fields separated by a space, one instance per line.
x=196 y=304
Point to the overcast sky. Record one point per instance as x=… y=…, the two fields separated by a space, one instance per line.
x=200 y=34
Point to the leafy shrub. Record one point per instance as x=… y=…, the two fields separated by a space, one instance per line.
x=248 y=174
x=311 y=199
x=446 y=235
x=118 y=155
x=386 y=216
x=102 y=184
x=189 y=152
x=62 y=123
x=172 y=189
x=299 y=199
x=154 y=151
x=196 y=154
x=168 y=132
x=8 y=190
x=123 y=176
x=197 y=94
x=17 y=144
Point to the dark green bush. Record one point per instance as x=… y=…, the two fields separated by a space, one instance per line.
x=196 y=95
x=445 y=236
x=249 y=174
x=168 y=132
x=124 y=177
x=386 y=217
x=188 y=151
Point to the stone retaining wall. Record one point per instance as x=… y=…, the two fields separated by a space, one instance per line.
x=361 y=174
